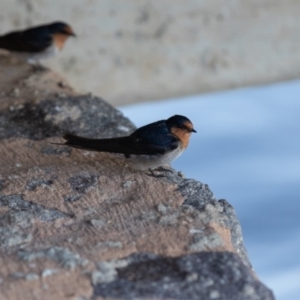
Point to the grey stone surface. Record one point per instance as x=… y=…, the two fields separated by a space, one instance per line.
x=235 y=227
x=200 y=197
x=63 y=257
x=197 y=194
x=17 y=203
x=201 y=276
x=15 y=224
x=81 y=183
x=13 y=229
x=86 y=115
x=34 y=183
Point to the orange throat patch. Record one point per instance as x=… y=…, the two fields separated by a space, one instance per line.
x=183 y=135
x=59 y=40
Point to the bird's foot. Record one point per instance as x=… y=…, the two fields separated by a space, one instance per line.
x=39 y=68
x=159 y=169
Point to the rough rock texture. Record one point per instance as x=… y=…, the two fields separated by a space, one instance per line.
x=202 y=275
x=84 y=225
x=135 y=50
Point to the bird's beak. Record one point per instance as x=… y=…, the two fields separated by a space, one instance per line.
x=73 y=34
x=193 y=130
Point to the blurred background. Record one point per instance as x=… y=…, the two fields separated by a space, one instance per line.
x=132 y=51
x=201 y=55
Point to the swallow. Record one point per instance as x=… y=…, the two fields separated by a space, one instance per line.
x=149 y=147
x=38 y=42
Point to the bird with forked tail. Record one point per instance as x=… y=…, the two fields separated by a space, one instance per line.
x=151 y=146
x=38 y=42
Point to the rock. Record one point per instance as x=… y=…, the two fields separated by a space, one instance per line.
x=202 y=275
x=85 y=225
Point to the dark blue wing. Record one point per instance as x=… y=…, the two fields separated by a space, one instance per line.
x=31 y=40
x=154 y=139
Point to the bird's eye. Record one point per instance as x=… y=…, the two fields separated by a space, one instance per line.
x=180 y=126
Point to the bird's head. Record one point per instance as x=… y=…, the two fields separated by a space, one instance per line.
x=60 y=32
x=61 y=28
x=181 y=127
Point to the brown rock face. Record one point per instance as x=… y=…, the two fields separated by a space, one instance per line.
x=84 y=225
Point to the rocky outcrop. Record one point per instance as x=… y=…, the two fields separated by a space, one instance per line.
x=85 y=225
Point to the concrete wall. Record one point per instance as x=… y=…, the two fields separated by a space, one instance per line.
x=137 y=50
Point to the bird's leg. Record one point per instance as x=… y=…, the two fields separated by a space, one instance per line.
x=37 y=66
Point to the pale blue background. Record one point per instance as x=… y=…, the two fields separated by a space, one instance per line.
x=247 y=150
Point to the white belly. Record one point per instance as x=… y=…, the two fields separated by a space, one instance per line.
x=32 y=58
x=49 y=52
x=144 y=162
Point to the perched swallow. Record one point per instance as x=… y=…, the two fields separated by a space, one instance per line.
x=148 y=147
x=37 y=43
